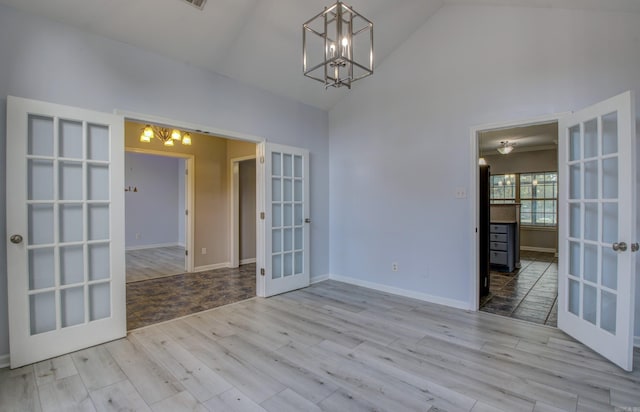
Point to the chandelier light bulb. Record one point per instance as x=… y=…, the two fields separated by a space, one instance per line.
x=144 y=138
x=169 y=142
x=186 y=139
x=148 y=131
x=175 y=134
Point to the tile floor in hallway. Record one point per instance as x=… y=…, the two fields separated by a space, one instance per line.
x=529 y=293
x=158 y=300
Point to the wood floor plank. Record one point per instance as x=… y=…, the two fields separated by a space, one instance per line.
x=18 y=390
x=53 y=369
x=97 y=368
x=289 y=401
x=65 y=394
x=233 y=401
x=197 y=378
x=150 y=379
x=120 y=396
x=182 y=402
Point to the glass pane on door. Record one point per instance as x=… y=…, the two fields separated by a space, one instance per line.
x=593 y=212
x=68 y=212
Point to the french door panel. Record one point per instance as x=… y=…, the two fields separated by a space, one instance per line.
x=66 y=276
x=597 y=236
x=285 y=227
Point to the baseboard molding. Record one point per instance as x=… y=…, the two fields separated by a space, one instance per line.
x=212 y=267
x=402 y=292
x=4 y=361
x=247 y=261
x=155 y=246
x=319 y=278
x=538 y=249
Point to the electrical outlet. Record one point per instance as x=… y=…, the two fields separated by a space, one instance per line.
x=461 y=193
x=394 y=266
x=204 y=251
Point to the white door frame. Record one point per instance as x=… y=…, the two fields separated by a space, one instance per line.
x=189 y=238
x=474 y=289
x=234 y=209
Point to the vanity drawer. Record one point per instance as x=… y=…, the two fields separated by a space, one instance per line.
x=498 y=237
x=498 y=246
x=498 y=258
x=498 y=228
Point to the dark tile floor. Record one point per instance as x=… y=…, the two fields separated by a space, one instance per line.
x=529 y=293
x=157 y=300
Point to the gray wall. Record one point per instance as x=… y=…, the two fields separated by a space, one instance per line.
x=247 y=177
x=400 y=141
x=529 y=162
x=152 y=211
x=45 y=60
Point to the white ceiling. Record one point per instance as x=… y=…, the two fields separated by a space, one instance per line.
x=256 y=41
x=526 y=138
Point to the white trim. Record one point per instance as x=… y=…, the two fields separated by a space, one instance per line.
x=474 y=289
x=190 y=202
x=4 y=360
x=460 y=304
x=199 y=128
x=152 y=246
x=247 y=261
x=538 y=249
x=212 y=267
x=234 y=208
x=319 y=278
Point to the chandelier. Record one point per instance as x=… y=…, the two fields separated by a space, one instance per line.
x=505 y=147
x=337 y=46
x=165 y=135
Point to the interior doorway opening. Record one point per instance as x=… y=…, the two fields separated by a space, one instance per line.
x=191 y=200
x=517 y=220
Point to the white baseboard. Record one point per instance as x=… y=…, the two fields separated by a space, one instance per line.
x=4 y=361
x=402 y=292
x=155 y=246
x=212 y=267
x=319 y=278
x=247 y=261
x=538 y=249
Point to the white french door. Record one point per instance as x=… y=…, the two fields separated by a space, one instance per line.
x=65 y=204
x=283 y=263
x=597 y=234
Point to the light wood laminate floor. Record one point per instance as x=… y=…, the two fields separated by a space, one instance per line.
x=145 y=264
x=333 y=347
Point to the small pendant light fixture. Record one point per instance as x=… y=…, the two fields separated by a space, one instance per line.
x=505 y=147
x=165 y=135
x=337 y=46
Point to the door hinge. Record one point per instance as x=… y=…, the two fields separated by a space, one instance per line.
x=186 y=171
x=186 y=212
x=262 y=271
x=186 y=252
x=261 y=159
x=262 y=215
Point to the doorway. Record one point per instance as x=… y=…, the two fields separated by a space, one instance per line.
x=520 y=223
x=157 y=225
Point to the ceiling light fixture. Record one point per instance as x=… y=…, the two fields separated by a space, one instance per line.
x=165 y=135
x=505 y=147
x=337 y=46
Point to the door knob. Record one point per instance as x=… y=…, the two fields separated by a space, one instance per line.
x=307 y=220
x=622 y=246
x=635 y=247
x=16 y=239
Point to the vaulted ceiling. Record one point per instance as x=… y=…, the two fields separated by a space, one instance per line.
x=257 y=42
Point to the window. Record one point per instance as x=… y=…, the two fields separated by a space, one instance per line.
x=538 y=198
x=503 y=188
x=537 y=194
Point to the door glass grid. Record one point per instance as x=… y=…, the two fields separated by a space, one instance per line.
x=287 y=221
x=68 y=208
x=593 y=216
